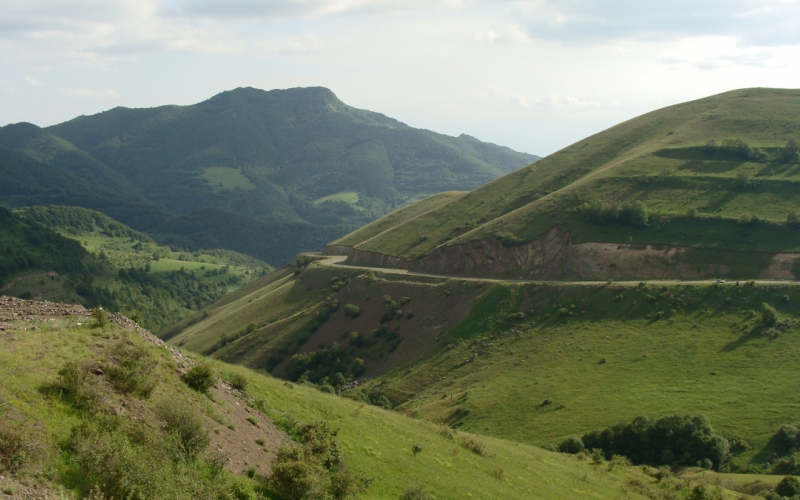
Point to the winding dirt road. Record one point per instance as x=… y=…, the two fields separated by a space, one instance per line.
x=338 y=261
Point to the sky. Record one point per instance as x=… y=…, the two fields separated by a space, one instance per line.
x=534 y=75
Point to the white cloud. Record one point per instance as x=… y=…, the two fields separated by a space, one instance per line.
x=33 y=82
x=588 y=21
x=563 y=100
x=89 y=93
x=508 y=34
x=303 y=44
x=271 y=9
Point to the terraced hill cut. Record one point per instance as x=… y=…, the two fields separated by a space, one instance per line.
x=696 y=190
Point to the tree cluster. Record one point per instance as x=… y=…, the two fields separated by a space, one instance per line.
x=672 y=439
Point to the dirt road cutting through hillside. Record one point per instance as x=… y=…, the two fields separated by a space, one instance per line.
x=338 y=261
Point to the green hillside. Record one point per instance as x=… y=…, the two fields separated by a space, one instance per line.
x=533 y=363
x=718 y=173
x=109 y=413
x=397 y=217
x=268 y=174
x=76 y=255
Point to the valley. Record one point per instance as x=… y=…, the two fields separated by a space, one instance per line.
x=616 y=320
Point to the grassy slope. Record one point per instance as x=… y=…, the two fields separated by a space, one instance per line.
x=654 y=365
x=610 y=166
x=397 y=217
x=376 y=443
x=271 y=299
x=707 y=354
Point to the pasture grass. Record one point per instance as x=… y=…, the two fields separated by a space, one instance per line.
x=607 y=354
x=349 y=197
x=226 y=179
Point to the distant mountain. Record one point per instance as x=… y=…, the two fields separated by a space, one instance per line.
x=298 y=167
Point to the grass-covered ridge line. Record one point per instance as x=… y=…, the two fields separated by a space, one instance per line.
x=721 y=159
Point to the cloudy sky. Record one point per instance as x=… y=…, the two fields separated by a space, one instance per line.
x=535 y=75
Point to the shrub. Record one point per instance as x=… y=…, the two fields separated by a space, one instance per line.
x=618 y=461
x=358 y=368
x=240 y=489
x=314 y=469
x=474 y=446
x=788 y=487
x=447 y=432
x=134 y=369
x=201 y=378
x=327 y=388
x=100 y=318
x=572 y=445
x=18 y=445
x=83 y=386
x=239 y=382
x=351 y=310
x=181 y=421
x=769 y=316
x=706 y=492
x=389 y=309
x=416 y=449
x=785 y=439
x=297 y=475
x=509 y=239
x=252 y=420
x=416 y=493
x=517 y=316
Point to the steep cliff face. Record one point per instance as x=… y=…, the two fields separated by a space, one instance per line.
x=552 y=256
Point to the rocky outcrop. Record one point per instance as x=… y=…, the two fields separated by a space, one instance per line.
x=553 y=256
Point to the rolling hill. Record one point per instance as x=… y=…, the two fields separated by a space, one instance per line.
x=539 y=361
x=696 y=190
x=263 y=173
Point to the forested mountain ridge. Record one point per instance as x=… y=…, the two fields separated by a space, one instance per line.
x=277 y=171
